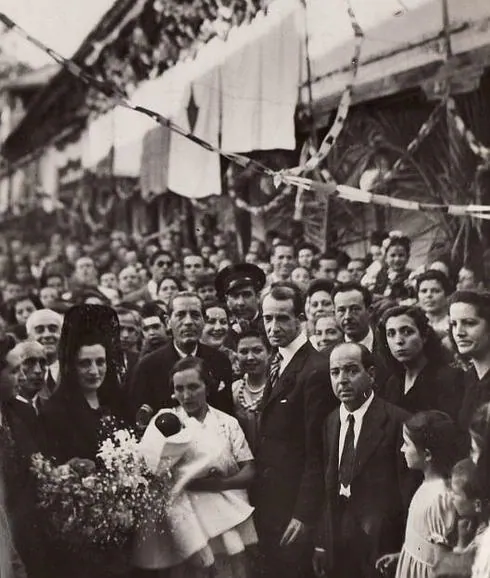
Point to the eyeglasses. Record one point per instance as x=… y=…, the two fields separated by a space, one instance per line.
x=163 y=263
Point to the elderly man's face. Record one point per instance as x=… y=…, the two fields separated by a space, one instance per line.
x=128 y=280
x=47 y=331
x=85 y=270
x=34 y=364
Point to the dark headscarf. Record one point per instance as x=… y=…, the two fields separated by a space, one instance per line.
x=90 y=325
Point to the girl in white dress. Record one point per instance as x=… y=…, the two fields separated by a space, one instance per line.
x=208 y=525
x=430 y=440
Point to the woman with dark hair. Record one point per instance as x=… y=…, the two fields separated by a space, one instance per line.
x=469 y=314
x=215 y=331
x=168 y=287
x=392 y=279
x=424 y=379
x=21 y=309
x=88 y=402
x=223 y=549
x=433 y=289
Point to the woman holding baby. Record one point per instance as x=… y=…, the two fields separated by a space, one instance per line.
x=209 y=517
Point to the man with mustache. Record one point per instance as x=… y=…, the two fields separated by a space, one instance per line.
x=150 y=384
x=367 y=485
x=352 y=303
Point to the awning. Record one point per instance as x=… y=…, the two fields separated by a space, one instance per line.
x=396 y=41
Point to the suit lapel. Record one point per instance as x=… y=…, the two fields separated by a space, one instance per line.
x=371 y=433
x=332 y=442
x=288 y=376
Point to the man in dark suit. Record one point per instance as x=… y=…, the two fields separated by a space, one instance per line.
x=288 y=489
x=20 y=437
x=130 y=331
x=151 y=385
x=352 y=303
x=367 y=484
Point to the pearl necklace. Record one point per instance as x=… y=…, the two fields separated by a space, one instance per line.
x=254 y=395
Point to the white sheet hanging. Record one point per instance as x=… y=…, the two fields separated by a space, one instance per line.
x=194 y=172
x=260 y=81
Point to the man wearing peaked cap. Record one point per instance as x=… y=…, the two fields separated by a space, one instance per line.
x=240 y=286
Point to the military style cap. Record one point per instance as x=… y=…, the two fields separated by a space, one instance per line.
x=237 y=276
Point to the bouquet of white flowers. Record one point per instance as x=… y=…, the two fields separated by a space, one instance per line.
x=97 y=507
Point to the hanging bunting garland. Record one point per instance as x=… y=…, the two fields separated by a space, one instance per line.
x=343 y=108
x=478 y=148
x=287 y=177
x=260 y=210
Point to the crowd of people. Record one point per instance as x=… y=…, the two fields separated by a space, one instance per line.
x=349 y=399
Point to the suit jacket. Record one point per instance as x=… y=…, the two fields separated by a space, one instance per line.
x=151 y=385
x=288 y=459
x=28 y=438
x=131 y=364
x=27 y=524
x=372 y=521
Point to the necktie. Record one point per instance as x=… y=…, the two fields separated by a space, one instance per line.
x=50 y=381
x=346 y=468
x=274 y=369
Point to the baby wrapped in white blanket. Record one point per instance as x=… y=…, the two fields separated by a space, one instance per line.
x=197 y=525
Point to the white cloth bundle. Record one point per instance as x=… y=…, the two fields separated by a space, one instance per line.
x=193 y=519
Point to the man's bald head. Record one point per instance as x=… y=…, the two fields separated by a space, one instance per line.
x=364 y=355
x=351 y=374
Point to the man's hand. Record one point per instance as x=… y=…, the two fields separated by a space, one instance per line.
x=387 y=564
x=466 y=532
x=320 y=563
x=293 y=532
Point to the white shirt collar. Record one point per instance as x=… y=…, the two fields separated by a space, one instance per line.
x=291 y=349
x=25 y=400
x=55 y=370
x=368 y=341
x=358 y=414
x=183 y=354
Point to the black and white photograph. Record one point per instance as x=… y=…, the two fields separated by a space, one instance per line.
x=244 y=288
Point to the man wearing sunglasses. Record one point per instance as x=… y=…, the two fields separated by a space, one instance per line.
x=159 y=264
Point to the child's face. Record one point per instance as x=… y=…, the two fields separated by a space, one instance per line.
x=462 y=504
x=413 y=456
